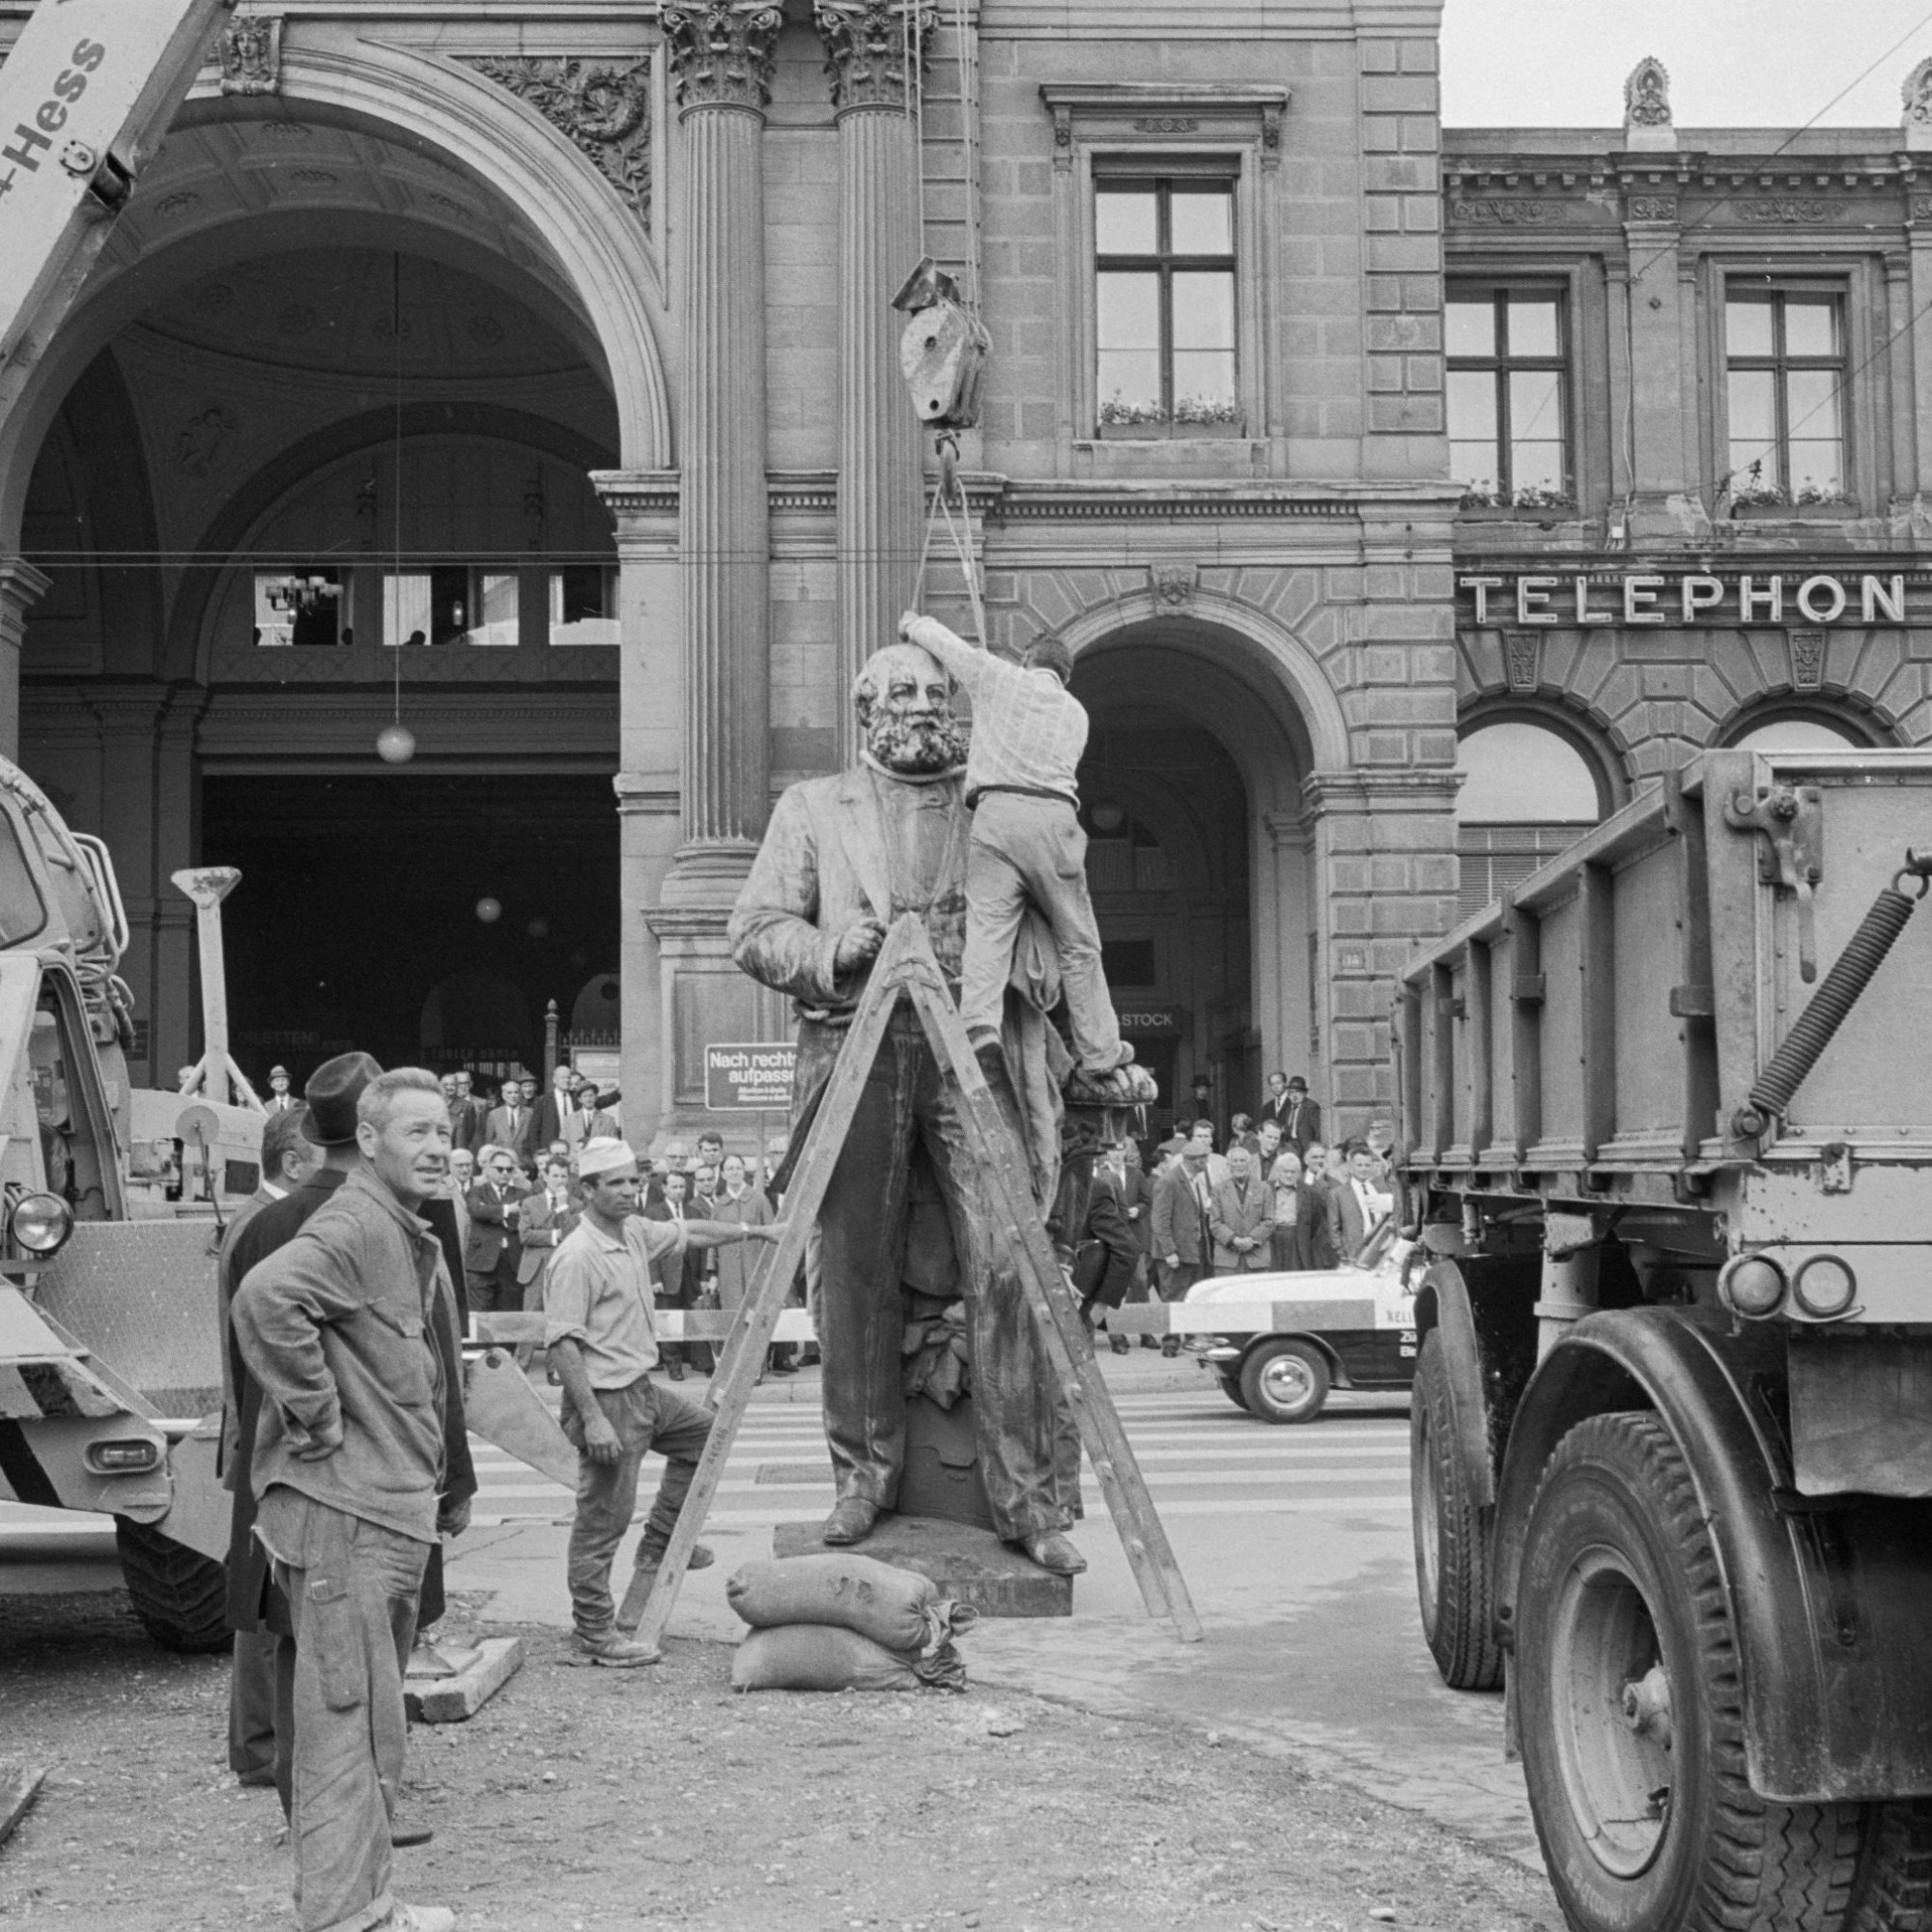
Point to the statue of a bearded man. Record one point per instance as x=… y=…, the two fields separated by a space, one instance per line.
x=843 y=857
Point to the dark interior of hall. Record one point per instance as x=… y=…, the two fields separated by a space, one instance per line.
x=362 y=915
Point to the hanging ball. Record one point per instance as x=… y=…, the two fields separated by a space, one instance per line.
x=538 y=929
x=489 y=910
x=395 y=744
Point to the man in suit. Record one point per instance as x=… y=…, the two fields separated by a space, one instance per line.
x=513 y=1123
x=469 y=1117
x=586 y=1121
x=1106 y=1259
x=490 y=1250
x=280 y=1100
x=286 y=1160
x=1243 y=1217
x=543 y=1218
x=1355 y=1204
x=553 y=1106
x=1299 y=1117
x=1183 y=1198
x=843 y=857
x=679 y=1273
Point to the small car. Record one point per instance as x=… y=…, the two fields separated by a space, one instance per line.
x=1279 y=1341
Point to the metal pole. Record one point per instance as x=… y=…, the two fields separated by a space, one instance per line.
x=208 y=886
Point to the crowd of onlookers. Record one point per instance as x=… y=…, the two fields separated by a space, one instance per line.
x=1269 y=1193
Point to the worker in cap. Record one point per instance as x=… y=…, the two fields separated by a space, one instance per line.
x=603 y=1344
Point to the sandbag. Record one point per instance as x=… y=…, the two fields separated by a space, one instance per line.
x=823 y=1657
x=898 y=1609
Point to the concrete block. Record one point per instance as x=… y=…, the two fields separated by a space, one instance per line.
x=1420 y=57
x=1422 y=373
x=1381 y=212
x=1421 y=133
x=480 y=1671
x=967 y=1563
x=1404 y=94
x=1401 y=253
x=1381 y=56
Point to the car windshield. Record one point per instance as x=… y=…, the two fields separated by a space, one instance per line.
x=22 y=910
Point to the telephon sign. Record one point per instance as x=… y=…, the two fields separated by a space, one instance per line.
x=1599 y=598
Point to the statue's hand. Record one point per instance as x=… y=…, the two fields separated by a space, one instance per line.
x=858 y=943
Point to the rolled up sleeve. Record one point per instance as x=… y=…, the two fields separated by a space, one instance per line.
x=570 y=1287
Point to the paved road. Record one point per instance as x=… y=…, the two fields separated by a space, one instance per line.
x=1294 y=1543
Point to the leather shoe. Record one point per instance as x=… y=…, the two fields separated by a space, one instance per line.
x=1052 y=1552
x=403 y=1835
x=851 y=1521
x=1119 y=1344
x=676 y=1371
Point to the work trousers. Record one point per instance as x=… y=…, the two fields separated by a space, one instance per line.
x=647 y=1415
x=1032 y=848
x=352 y=1588
x=861 y=1309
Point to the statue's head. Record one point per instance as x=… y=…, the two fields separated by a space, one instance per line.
x=905 y=712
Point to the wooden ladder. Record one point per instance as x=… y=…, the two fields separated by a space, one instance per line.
x=906 y=969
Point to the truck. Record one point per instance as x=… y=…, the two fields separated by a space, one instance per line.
x=110 y=1375
x=1665 y=1135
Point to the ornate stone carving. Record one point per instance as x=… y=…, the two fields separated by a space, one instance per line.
x=603 y=106
x=866 y=50
x=1647 y=96
x=1917 y=94
x=251 y=55
x=1653 y=208
x=721 y=52
x=1785 y=211
x=1167 y=124
x=1174 y=584
x=203 y=441
x=1521 y=649
x=1807 y=659
x=1504 y=212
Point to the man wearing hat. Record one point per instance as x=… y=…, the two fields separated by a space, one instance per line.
x=280 y=1100
x=351 y=1328
x=586 y=1121
x=1288 y=1106
x=598 y=1330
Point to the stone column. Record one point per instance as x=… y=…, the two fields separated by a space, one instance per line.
x=721 y=58
x=21 y=586
x=873 y=47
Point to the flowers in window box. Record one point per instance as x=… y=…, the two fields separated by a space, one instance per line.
x=1206 y=410
x=1542 y=497
x=1117 y=409
x=1809 y=492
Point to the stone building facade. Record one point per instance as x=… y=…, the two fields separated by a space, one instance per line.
x=528 y=378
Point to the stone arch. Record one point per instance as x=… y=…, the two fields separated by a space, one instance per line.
x=260 y=496
x=1847 y=711
x=1594 y=737
x=421 y=101
x=1281 y=671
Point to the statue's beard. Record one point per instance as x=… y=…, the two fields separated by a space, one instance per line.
x=916 y=747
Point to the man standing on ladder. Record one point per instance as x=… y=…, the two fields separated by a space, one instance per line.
x=843 y=858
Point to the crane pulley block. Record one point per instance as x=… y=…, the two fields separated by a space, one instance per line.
x=943 y=350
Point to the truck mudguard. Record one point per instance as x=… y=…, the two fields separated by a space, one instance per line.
x=1488 y=1344
x=1828 y=1603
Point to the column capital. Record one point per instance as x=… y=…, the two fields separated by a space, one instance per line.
x=1412 y=790
x=721 y=51
x=866 y=50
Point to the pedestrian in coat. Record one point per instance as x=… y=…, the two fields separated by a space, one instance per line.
x=1184 y=1202
x=350 y=1327
x=1107 y=1255
x=1243 y=1217
x=1301 y=1215
x=490 y=1249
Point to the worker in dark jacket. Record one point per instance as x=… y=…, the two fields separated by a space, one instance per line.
x=349 y=1329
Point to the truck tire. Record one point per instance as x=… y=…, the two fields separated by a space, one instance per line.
x=1454 y=1583
x=1631 y=1709
x=180 y=1595
x=1894 y=1888
x=1230 y=1387
x=1285 y=1381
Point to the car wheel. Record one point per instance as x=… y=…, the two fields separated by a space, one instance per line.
x=1285 y=1381
x=1631 y=1710
x=1453 y=1579
x=1230 y=1387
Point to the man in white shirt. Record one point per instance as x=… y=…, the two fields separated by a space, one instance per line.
x=280 y=1100
x=1355 y=1204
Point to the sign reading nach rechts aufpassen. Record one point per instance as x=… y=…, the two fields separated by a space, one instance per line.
x=748 y=1077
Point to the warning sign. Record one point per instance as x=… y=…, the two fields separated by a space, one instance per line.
x=752 y=1078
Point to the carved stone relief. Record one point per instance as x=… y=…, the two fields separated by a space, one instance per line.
x=251 y=55
x=1916 y=94
x=603 y=106
x=722 y=52
x=203 y=441
x=871 y=46
x=1174 y=584
x=1647 y=96
x=1807 y=659
x=1504 y=212
x=1521 y=651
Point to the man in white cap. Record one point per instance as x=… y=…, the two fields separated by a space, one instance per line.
x=597 y=1326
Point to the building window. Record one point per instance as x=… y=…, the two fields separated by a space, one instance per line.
x=1509 y=397
x=1785 y=358
x=1526 y=793
x=584 y=605
x=1796 y=733
x=1164 y=306
x=450 y=603
x=302 y=607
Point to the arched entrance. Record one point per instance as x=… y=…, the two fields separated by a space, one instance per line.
x=320 y=429
x=1200 y=858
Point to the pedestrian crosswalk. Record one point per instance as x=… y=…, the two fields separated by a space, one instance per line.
x=1199 y=1455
